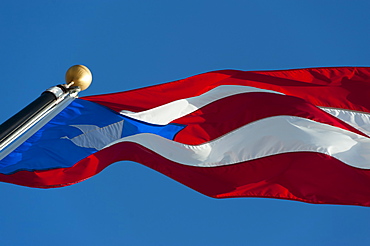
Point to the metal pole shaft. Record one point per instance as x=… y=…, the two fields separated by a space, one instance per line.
x=18 y=120
x=29 y=120
x=26 y=122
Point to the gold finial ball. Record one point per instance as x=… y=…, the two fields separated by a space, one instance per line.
x=80 y=76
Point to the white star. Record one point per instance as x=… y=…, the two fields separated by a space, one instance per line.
x=97 y=137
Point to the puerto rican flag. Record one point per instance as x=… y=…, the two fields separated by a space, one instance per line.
x=300 y=134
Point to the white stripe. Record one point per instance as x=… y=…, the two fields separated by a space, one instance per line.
x=359 y=120
x=166 y=113
x=266 y=137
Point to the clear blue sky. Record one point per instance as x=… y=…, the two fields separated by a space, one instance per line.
x=132 y=44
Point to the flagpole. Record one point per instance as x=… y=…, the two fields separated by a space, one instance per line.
x=30 y=119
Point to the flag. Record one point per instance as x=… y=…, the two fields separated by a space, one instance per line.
x=300 y=134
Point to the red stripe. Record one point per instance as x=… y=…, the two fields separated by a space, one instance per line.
x=342 y=87
x=228 y=114
x=308 y=177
